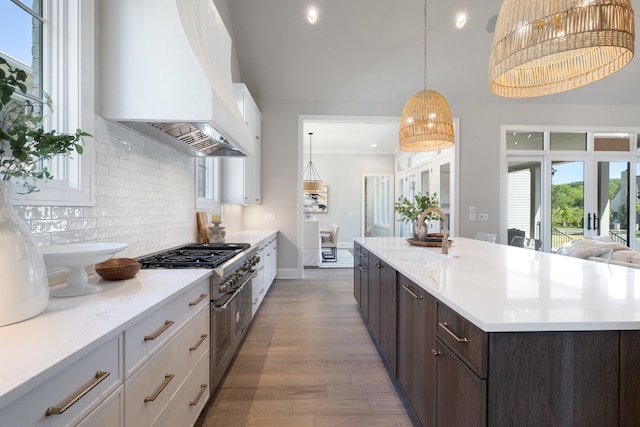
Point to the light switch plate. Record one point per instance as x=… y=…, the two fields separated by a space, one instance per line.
x=484 y=217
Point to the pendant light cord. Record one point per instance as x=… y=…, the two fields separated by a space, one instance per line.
x=425 y=45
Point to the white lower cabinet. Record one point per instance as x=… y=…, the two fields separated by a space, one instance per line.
x=160 y=379
x=109 y=413
x=71 y=395
x=187 y=405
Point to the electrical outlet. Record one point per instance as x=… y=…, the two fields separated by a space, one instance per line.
x=484 y=217
x=472 y=217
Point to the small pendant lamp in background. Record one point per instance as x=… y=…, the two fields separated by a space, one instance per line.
x=426 y=123
x=542 y=47
x=312 y=181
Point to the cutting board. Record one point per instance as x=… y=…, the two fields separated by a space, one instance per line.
x=203 y=226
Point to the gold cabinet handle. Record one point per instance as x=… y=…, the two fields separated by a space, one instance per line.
x=203 y=387
x=444 y=325
x=435 y=352
x=200 y=341
x=378 y=265
x=165 y=383
x=411 y=292
x=97 y=379
x=197 y=300
x=255 y=301
x=160 y=330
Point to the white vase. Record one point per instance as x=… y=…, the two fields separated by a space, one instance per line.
x=24 y=290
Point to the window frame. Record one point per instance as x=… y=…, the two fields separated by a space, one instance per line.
x=68 y=56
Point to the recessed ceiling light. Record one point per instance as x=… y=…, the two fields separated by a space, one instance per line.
x=374 y=145
x=312 y=16
x=461 y=20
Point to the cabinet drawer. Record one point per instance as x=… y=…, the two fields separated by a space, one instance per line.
x=186 y=407
x=466 y=340
x=146 y=336
x=110 y=413
x=151 y=388
x=91 y=379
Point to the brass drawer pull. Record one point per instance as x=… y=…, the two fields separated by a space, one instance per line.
x=160 y=330
x=255 y=301
x=362 y=268
x=378 y=265
x=203 y=387
x=196 y=345
x=447 y=330
x=197 y=300
x=411 y=292
x=99 y=376
x=167 y=380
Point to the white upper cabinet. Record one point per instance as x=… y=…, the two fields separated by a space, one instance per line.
x=241 y=176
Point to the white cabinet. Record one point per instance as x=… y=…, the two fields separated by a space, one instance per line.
x=91 y=387
x=241 y=176
x=162 y=352
x=249 y=110
x=265 y=270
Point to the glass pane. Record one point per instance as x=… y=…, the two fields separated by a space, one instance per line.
x=424 y=182
x=568 y=141
x=567 y=202
x=613 y=201
x=20 y=42
x=445 y=188
x=524 y=204
x=611 y=142
x=202 y=177
x=525 y=140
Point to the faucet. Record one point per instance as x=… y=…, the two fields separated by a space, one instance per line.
x=443 y=217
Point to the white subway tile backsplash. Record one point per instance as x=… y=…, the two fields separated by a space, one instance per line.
x=144 y=196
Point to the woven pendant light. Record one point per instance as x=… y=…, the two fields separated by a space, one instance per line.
x=312 y=182
x=541 y=47
x=426 y=123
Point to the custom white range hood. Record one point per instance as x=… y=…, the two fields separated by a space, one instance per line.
x=166 y=72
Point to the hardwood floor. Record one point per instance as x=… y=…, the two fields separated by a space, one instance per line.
x=308 y=360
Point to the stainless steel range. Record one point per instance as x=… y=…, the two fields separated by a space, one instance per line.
x=230 y=290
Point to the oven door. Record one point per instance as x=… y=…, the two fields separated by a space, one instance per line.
x=242 y=309
x=222 y=334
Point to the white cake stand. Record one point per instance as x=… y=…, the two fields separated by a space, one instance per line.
x=77 y=256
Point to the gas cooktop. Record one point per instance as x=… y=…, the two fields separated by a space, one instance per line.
x=198 y=255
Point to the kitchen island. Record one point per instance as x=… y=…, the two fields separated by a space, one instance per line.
x=506 y=336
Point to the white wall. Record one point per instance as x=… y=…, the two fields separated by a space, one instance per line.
x=342 y=173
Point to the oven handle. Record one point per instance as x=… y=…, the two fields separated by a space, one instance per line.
x=229 y=298
x=233 y=294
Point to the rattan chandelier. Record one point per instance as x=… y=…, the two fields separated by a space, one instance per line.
x=312 y=181
x=541 y=47
x=426 y=123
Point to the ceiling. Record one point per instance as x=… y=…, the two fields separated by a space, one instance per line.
x=372 y=51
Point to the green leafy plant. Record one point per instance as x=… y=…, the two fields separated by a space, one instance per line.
x=411 y=211
x=24 y=143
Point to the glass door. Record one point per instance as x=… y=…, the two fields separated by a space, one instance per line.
x=567 y=203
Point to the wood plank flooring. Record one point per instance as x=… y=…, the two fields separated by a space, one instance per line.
x=308 y=360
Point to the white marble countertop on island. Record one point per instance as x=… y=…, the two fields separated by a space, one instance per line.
x=502 y=288
x=35 y=349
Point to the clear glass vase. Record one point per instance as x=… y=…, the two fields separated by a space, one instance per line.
x=420 y=234
x=24 y=289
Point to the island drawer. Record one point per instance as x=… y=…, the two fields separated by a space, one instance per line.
x=465 y=339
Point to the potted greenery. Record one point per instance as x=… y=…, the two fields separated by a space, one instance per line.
x=24 y=144
x=410 y=211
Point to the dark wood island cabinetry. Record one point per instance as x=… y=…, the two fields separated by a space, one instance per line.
x=455 y=374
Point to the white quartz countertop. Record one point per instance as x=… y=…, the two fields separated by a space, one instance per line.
x=34 y=350
x=253 y=237
x=502 y=288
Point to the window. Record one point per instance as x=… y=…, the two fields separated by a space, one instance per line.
x=53 y=40
x=208 y=182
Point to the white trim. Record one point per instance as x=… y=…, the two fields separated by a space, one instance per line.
x=69 y=79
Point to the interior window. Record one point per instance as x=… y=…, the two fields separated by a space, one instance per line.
x=524 y=140
x=568 y=141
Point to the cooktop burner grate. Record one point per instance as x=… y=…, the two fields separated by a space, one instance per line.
x=193 y=256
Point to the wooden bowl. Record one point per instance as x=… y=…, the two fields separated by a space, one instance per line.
x=118 y=268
